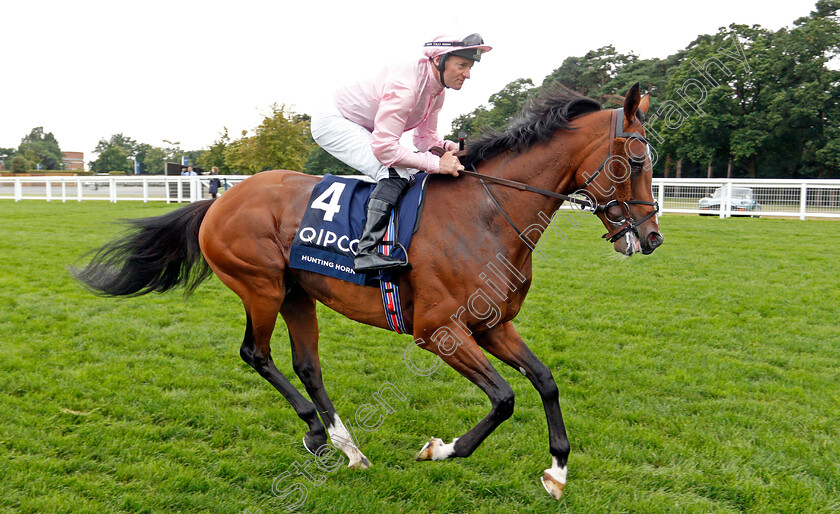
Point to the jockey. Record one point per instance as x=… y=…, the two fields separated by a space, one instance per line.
x=363 y=130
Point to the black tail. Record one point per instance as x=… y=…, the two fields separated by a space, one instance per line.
x=159 y=254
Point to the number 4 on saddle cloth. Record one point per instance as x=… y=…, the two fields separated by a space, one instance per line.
x=327 y=239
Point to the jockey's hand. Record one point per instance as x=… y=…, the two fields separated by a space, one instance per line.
x=450 y=165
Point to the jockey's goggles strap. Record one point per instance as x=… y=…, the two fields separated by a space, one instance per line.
x=471 y=40
x=445 y=43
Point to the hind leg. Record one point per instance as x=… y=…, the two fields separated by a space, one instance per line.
x=298 y=311
x=256 y=351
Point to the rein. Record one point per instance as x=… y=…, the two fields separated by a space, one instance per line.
x=623 y=226
x=526 y=187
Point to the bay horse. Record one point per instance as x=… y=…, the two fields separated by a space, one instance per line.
x=561 y=143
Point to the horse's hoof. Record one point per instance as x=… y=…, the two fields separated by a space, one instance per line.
x=428 y=450
x=553 y=486
x=436 y=449
x=361 y=464
x=310 y=450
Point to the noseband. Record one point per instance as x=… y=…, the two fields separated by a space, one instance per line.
x=622 y=226
x=627 y=223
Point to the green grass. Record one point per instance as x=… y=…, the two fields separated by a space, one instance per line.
x=702 y=378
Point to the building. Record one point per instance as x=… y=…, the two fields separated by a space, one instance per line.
x=74 y=161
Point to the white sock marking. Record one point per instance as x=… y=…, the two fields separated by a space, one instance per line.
x=443 y=451
x=341 y=439
x=557 y=473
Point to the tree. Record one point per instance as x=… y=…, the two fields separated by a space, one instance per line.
x=215 y=155
x=690 y=122
x=808 y=97
x=151 y=159
x=788 y=102
x=243 y=155
x=651 y=74
x=123 y=141
x=281 y=141
x=590 y=75
x=41 y=148
x=114 y=154
x=19 y=164
x=763 y=103
x=112 y=158
x=504 y=105
x=829 y=155
x=6 y=155
x=320 y=162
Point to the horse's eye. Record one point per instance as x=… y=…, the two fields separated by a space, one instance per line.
x=614 y=214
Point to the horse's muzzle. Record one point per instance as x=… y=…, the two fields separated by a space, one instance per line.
x=653 y=241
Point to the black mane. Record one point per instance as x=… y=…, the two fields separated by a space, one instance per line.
x=542 y=116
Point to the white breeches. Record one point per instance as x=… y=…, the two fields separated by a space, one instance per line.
x=350 y=143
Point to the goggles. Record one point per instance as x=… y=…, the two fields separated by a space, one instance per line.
x=473 y=40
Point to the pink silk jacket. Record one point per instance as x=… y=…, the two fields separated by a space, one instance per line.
x=400 y=98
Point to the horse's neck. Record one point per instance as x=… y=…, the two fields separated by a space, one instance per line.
x=548 y=166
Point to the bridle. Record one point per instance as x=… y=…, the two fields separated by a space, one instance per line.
x=626 y=223
x=620 y=227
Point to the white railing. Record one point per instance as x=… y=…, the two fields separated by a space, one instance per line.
x=780 y=198
x=144 y=188
x=784 y=198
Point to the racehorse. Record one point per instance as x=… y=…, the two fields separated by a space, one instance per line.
x=562 y=143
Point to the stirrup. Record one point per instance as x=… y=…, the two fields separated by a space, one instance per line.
x=377 y=261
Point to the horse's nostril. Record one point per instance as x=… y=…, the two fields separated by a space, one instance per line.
x=655 y=239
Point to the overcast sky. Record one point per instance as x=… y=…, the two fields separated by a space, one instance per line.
x=183 y=70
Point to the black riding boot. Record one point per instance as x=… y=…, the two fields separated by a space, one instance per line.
x=382 y=201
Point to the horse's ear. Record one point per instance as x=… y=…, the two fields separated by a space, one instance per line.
x=631 y=102
x=644 y=105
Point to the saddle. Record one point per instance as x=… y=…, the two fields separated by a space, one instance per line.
x=326 y=240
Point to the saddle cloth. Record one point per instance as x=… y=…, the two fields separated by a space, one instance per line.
x=328 y=236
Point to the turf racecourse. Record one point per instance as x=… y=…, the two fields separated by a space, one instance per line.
x=702 y=378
